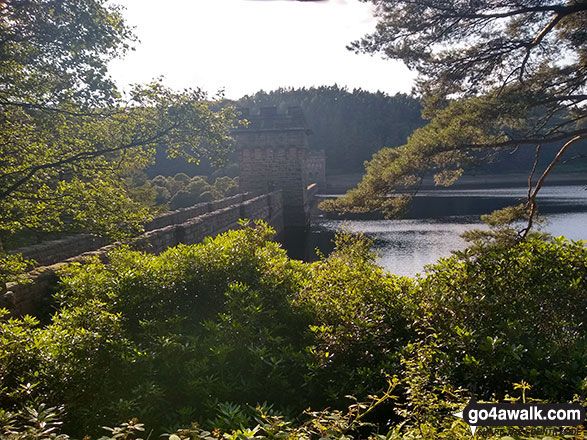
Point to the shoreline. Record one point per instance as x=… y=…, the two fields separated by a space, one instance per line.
x=340 y=184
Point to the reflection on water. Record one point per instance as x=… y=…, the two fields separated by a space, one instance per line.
x=433 y=226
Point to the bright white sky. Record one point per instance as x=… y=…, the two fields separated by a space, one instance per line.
x=242 y=46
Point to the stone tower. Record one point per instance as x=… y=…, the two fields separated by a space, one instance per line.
x=317 y=169
x=273 y=150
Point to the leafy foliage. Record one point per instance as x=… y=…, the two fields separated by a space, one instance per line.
x=68 y=139
x=361 y=316
x=184 y=330
x=324 y=424
x=313 y=425
x=491 y=77
x=55 y=51
x=182 y=191
x=69 y=172
x=12 y=267
x=32 y=423
x=202 y=334
x=507 y=313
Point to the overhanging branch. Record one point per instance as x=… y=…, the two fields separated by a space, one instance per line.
x=531 y=203
x=81 y=157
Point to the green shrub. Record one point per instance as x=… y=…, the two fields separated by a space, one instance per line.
x=73 y=360
x=13 y=268
x=360 y=314
x=227 y=186
x=173 y=186
x=184 y=199
x=38 y=423
x=231 y=170
x=201 y=333
x=232 y=190
x=159 y=181
x=204 y=323
x=223 y=183
x=503 y=314
x=181 y=191
x=231 y=423
x=163 y=196
x=182 y=177
x=198 y=185
x=207 y=196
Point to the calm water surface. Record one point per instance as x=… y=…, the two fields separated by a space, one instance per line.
x=432 y=228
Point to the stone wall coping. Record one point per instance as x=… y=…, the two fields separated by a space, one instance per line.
x=19 y=298
x=90 y=242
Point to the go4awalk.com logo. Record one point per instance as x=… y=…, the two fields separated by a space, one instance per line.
x=521 y=414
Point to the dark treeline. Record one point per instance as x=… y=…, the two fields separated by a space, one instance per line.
x=351 y=126
x=521 y=159
x=348 y=126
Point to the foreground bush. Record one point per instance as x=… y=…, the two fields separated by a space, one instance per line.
x=164 y=338
x=202 y=333
x=265 y=424
x=361 y=318
x=181 y=191
x=506 y=314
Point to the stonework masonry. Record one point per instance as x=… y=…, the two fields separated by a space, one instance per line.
x=317 y=169
x=273 y=154
x=58 y=250
x=188 y=226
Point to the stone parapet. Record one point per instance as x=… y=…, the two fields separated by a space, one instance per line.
x=206 y=220
x=54 y=251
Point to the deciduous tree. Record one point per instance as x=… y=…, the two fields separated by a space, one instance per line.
x=67 y=136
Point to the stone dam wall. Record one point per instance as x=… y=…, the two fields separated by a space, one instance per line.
x=188 y=226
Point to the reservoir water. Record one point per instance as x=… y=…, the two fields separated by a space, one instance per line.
x=433 y=226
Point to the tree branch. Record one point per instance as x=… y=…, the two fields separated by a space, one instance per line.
x=575 y=157
x=558 y=9
x=531 y=176
x=532 y=198
x=575 y=98
x=533 y=141
x=550 y=26
x=79 y=157
x=26 y=105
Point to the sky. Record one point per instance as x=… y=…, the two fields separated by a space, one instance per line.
x=242 y=46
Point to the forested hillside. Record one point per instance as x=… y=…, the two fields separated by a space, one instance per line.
x=348 y=126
